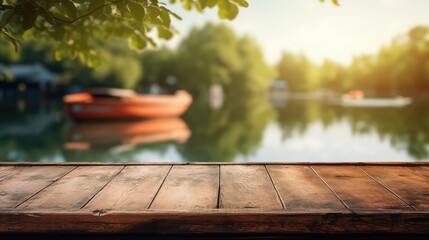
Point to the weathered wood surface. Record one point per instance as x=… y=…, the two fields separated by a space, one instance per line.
x=214 y=198
x=301 y=189
x=28 y=181
x=133 y=189
x=189 y=187
x=357 y=190
x=247 y=186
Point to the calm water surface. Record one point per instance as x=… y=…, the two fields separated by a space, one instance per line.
x=255 y=130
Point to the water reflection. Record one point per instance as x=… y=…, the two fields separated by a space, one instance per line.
x=236 y=131
x=404 y=128
x=116 y=137
x=219 y=135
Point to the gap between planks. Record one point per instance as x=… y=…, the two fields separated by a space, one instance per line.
x=275 y=187
x=330 y=188
x=54 y=181
x=160 y=186
x=385 y=187
x=114 y=176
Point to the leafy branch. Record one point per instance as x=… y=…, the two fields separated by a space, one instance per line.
x=86 y=14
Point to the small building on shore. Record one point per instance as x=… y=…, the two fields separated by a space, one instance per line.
x=27 y=79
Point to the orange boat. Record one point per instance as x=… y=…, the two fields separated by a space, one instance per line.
x=101 y=104
x=120 y=136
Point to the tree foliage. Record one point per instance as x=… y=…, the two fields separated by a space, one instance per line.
x=298 y=71
x=158 y=65
x=72 y=24
x=210 y=55
x=214 y=55
x=402 y=67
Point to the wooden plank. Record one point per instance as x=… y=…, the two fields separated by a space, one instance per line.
x=173 y=222
x=27 y=182
x=357 y=190
x=422 y=170
x=74 y=190
x=301 y=189
x=8 y=171
x=412 y=188
x=247 y=186
x=133 y=189
x=189 y=187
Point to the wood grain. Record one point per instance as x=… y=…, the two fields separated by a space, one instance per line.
x=171 y=222
x=357 y=190
x=301 y=189
x=73 y=190
x=247 y=186
x=114 y=198
x=133 y=189
x=412 y=188
x=7 y=171
x=189 y=187
x=422 y=170
x=28 y=181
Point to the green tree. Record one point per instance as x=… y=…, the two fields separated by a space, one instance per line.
x=72 y=24
x=214 y=55
x=254 y=75
x=298 y=71
x=158 y=65
x=121 y=68
x=207 y=56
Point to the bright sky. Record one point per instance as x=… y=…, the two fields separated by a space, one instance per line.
x=319 y=30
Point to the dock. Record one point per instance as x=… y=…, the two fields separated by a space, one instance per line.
x=214 y=198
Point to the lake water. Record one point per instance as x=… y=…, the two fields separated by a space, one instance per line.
x=254 y=130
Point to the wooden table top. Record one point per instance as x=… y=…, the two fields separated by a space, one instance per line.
x=214 y=198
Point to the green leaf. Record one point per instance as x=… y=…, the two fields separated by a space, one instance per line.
x=122 y=7
x=227 y=10
x=172 y=13
x=137 y=42
x=211 y=3
x=164 y=33
x=165 y=17
x=97 y=6
x=203 y=3
x=70 y=8
x=242 y=3
x=28 y=20
x=187 y=4
x=137 y=11
x=7 y=15
x=153 y=11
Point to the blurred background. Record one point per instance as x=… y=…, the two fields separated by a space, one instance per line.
x=289 y=81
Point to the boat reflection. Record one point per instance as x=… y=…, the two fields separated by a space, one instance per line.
x=123 y=136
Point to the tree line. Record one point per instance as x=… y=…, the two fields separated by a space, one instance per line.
x=400 y=68
x=216 y=55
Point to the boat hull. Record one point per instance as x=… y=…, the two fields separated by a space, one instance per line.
x=83 y=106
